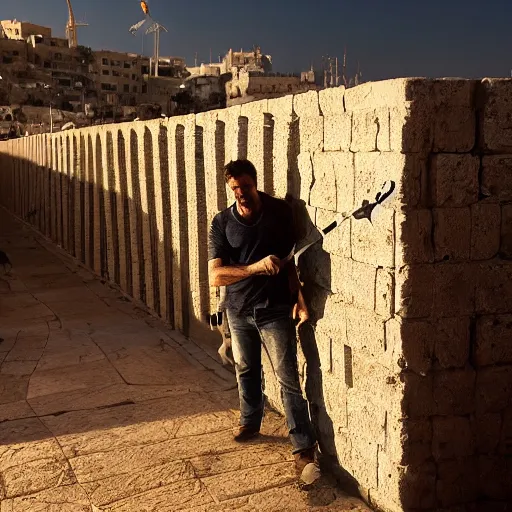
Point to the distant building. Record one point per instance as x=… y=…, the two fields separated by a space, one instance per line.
x=40 y=68
x=246 y=86
x=21 y=30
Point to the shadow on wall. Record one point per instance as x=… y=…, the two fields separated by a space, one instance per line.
x=315 y=272
x=452 y=298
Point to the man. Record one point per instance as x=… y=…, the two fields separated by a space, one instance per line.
x=249 y=246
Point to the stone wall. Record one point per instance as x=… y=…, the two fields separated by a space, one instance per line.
x=408 y=363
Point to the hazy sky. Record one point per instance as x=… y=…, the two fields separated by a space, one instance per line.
x=390 y=38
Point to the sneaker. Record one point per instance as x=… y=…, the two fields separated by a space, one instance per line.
x=244 y=433
x=303 y=458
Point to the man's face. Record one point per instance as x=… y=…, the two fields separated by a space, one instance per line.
x=244 y=188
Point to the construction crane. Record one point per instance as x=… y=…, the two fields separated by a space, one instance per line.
x=71 y=27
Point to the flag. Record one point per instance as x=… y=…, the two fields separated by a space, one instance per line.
x=145 y=7
x=133 y=29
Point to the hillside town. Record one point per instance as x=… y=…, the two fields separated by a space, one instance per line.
x=51 y=83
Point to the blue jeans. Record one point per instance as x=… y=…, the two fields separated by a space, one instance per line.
x=273 y=327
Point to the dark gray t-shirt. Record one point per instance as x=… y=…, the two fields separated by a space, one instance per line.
x=236 y=242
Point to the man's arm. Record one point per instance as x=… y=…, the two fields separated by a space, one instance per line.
x=224 y=275
x=300 y=310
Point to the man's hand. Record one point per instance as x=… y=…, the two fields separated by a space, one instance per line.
x=300 y=311
x=269 y=266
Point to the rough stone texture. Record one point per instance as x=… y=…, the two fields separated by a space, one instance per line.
x=332 y=101
x=485 y=230
x=415 y=228
x=506 y=232
x=370 y=130
x=407 y=366
x=453 y=437
x=454 y=180
x=337 y=132
x=496 y=183
x=452 y=234
x=454 y=129
x=496 y=125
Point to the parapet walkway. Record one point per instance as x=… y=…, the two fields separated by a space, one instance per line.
x=103 y=408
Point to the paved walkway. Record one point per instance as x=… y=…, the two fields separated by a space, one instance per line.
x=104 y=408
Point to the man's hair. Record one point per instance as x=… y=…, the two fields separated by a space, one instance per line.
x=237 y=168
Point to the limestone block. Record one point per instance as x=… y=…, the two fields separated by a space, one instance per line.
x=506 y=231
x=454 y=289
x=454 y=392
x=254 y=108
x=332 y=319
x=486 y=428
x=365 y=331
x=438 y=92
x=418 y=401
x=305 y=164
x=332 y=101
x=495 y=476
x=411 y=127
x=485 y=230
x=452 y=437
x=457 y=481
x=505 y=447
x=372 y=170
x=452 y=339
x=343 y=164
x=229 y=117
x=414 y=291
x=341 y=277
x=334 y=396
x=323 y=192
x=387 y=92
x=493 y=290
x=410 y=345
x=333 y=181
x=493 y=340
x=364 y=440
x=496 y=183
x=311 y=133
x=452 y=234
x=374 y=243
x=361 y=285
x=370 y=130
x=281 y=107
x=384 y=293
x=496 y=121
x=454 y=129
x=337 y=131
x=494 y=388
x=306 y=104
x=454 y=180
x=417 y=485
x=337 y=242
x=373 y=384
x=454 y=92
x=414 y=237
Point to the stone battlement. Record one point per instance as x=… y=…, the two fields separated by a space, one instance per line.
x=408 y=367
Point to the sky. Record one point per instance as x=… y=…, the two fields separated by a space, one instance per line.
x=389 y=38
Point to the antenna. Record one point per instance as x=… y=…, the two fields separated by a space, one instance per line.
x=156 y=28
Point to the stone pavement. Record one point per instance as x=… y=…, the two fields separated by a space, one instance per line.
x=102 y=407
